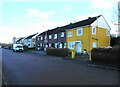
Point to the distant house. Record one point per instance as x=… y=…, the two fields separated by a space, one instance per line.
x=20 y=40
x=29 y=41
x=40 y=41
x=91 y=33
x=15 y=39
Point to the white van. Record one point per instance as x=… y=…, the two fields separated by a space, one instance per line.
x=18 y=47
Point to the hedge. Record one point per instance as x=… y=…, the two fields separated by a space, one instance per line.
x=106 y=55
x=62 y=52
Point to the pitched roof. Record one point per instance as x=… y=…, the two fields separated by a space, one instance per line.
x=19 y=39
x=88 y=21
x=85 y=22
x=30 y=36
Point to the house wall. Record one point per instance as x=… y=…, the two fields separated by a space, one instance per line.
x=39 y=41
x=88 y=38
x=59 y=38
x=101 y=22
x=52 y=40
x=84 y=38
x=62 y=39
x=29 y=43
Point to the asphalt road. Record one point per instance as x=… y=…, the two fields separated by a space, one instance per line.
x=21 y=68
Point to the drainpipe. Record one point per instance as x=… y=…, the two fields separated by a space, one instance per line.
x=89 y=38
x=98 y=32
x=66 y=38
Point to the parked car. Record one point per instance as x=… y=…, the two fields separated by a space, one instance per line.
x=18 y=47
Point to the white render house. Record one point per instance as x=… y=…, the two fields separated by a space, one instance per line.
x=29 y=41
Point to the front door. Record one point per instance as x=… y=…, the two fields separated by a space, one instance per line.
x=78 y=47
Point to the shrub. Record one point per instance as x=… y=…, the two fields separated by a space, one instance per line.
x=105 y=55
x=115 y=41
x=63 y=52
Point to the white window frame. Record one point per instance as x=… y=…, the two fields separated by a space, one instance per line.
x=69 y=34
x=45 y=37
x=62 y=34
x=64 y=45
x=81 y=31
x=40 y=44
x=93 y=30
x=71 y=45
x=50 y=36
x=107 y=32
x=56 y=45
x=60 y=45
x=41 y=38
x=49 y=44
x=37 y=38
x=55 y=36
x=94 y=45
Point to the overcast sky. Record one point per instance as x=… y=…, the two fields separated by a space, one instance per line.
x=19 y=18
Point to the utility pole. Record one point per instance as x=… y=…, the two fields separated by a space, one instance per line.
x=119 y=18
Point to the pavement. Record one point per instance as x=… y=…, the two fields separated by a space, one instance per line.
x=85 y=63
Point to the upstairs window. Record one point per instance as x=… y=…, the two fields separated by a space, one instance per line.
x=45 y=37
x=69 y=34
x=37 y=38
x=79 y=32
x=50 y=36
x=41 y=38
x=55 y=36
x=33 y=39
x=93 y=30
x=62 y=34
x=107 y=32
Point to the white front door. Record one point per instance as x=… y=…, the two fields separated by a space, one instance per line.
x=78 y=47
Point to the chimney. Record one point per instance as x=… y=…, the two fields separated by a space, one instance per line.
x=89 y=17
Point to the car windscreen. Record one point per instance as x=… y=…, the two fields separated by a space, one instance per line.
x=19 y=46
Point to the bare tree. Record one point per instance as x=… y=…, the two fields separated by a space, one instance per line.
x=119 y=12
x=115 y=13
x=116 y=16
x=119 y=18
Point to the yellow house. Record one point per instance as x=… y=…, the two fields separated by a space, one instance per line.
x=91 y=33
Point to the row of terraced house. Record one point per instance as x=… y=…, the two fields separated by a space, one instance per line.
x=90 y=33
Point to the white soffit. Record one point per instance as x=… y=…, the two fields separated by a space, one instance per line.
x=101 y=22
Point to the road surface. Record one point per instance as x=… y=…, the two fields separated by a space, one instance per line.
x=20 y=68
